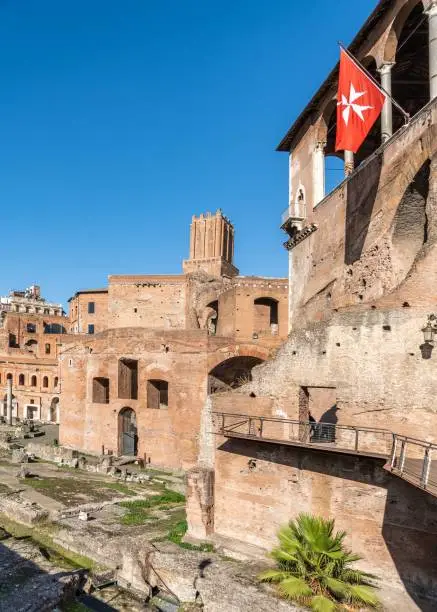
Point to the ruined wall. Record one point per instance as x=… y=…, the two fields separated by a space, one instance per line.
x=31 y=334
x=375 y=360
x=72 y=363
x=147 y=301
x=374 y=231
x=249 y=289
x=259 y=487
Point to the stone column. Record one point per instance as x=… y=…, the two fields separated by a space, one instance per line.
x=319 y=172
x=387 y=110
x=9 y=402
x=348 y=163
x=431 y=11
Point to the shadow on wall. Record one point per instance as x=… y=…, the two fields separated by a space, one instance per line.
x=409 y=524
x=361 y=195
x=330 y=416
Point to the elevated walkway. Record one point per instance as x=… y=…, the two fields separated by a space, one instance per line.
x=406 y=457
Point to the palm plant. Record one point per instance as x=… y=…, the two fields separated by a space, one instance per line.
x=313 y=567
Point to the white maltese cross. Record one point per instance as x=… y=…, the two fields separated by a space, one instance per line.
x=350 y=104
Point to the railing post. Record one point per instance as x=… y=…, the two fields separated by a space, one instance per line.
x=356 y=440
x=261 y=423
x=426 y=468
x=223 y=423
x=250 y=426
x=402 y=456
x=393 y=451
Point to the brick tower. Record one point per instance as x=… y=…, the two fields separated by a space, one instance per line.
x=211 y=245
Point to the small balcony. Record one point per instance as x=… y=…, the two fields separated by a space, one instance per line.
x=293 y=217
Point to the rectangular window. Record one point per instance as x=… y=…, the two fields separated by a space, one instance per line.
x=91 y=307
x=91 y=329
x=157 y=394
x=101 y=390
x=128 y=379
x=47 y=349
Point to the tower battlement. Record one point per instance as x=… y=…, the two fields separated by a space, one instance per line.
x=211 y=245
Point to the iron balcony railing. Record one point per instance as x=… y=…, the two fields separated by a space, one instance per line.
x=407 y=457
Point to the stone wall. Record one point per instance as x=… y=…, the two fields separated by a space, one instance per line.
x=147 y=301
x=393 y=525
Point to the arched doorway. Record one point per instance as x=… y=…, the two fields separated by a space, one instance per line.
x=54 y=410
x=232 y=373
x=128 y=433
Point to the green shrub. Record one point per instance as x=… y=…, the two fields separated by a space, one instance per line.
x=314 y=568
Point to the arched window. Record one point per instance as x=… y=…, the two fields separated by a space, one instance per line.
x=157 y=394
x=333 y=160
x=9 y=376
x=300 y=203
x=33 y=381
x=54 y=328
x=265 y=316
x=21 y=380
x=55 y=382
x=54 y=410
x=45 y=382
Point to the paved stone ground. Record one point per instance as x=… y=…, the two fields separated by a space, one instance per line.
x=29 y=580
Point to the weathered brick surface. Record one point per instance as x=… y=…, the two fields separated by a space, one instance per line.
x=177 y=329
x=385 y=518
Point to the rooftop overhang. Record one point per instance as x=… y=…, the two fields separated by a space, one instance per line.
x=290 y=138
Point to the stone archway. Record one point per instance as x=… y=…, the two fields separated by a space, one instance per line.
x=127 y=432
x=232 y=373
x=54 y=410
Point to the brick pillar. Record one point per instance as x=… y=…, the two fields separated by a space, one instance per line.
x=200 y=504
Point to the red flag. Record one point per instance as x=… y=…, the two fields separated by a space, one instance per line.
x=359 y=104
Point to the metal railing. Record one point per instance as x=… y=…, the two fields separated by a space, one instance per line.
x=407 y=457
x=412 y=459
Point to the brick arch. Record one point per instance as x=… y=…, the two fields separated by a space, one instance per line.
x=391 y=44
x=237 y=350
x=323 y=122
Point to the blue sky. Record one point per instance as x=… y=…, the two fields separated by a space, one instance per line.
x=119 y=120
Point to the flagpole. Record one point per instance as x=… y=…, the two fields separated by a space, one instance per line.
x=378 y=85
